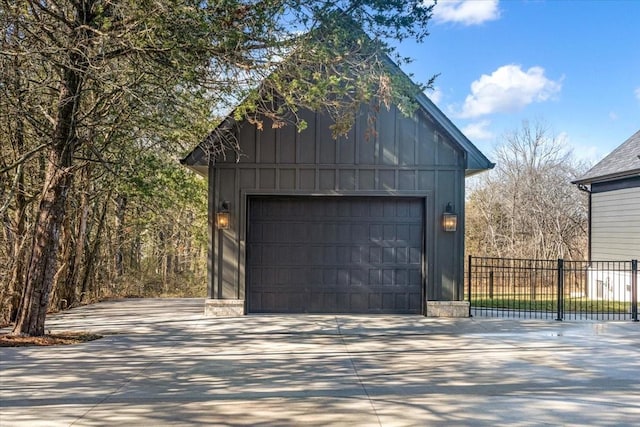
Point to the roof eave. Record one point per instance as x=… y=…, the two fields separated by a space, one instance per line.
x=609 y=177
x=476 y=160
x=471 y=172
x=198 y=156
x=194 y=157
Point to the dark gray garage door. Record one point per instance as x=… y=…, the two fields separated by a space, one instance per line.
x=334 y=255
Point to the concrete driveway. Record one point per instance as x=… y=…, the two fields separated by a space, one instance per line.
x=162 y=363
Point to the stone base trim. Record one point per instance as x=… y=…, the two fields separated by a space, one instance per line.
x=447 y=309
x=224 y=307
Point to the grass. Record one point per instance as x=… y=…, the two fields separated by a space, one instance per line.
x=570 y=304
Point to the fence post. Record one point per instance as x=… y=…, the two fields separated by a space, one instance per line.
x=634 y=290
x=491 y=284
x=469 y=279
x=560 y=289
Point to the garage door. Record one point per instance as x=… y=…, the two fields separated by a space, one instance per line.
x=334 y=255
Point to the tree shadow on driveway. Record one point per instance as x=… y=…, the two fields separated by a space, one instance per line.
x=162 y=363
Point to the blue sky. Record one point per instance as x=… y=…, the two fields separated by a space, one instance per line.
x=573 y=64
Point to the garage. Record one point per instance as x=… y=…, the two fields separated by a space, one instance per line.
x=335 y=254
x=302 y=221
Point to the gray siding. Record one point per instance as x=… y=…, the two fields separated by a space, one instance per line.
x=401 y=156
x=615 y=225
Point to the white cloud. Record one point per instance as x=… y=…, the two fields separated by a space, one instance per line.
x=466 y=12
x=508 y=89
x=478 y=130
x=637 y=92
x=435 y=95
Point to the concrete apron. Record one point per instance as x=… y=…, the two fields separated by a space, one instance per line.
x=162 y=362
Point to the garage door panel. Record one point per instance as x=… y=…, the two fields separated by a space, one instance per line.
x=402 y=301
x=388 y=255
x=414 y=275
x=415 y=256
x=401 y=277
x=359 y=302
x=375 y=302
x=342 y=302
x=342 y=255
x=414 y=302
x=388 y=301
x=402 y=256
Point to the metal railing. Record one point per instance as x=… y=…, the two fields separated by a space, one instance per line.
x=552 y=289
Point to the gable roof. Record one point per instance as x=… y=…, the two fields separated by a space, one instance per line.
x=476 y=160
x=623 y=162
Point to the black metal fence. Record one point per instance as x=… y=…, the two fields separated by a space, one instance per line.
x=553 y=289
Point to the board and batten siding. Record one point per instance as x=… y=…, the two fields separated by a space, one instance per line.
x=615 y=225
x=396 y=156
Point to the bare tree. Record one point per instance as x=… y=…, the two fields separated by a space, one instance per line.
x=527 y=207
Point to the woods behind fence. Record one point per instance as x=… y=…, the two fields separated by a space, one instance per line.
x=553 y=289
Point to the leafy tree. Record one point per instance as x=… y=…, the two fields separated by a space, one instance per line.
x=86 y=83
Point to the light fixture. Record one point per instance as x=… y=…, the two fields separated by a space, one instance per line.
x=223 y=218
x=449 y=219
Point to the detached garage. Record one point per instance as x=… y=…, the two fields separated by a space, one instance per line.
x=304 y=223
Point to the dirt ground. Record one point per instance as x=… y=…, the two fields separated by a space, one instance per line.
x=62 y=338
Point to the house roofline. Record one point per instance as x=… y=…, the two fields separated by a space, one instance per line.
x=481 y=162
x=610 y=177
x=476 y=161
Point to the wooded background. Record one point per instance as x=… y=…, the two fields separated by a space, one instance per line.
x=140 y=231
x=99 y=99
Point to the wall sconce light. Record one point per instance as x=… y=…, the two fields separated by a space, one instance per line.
x=449 y=219
x=223 y=218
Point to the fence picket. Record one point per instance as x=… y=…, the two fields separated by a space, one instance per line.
x=560 y=289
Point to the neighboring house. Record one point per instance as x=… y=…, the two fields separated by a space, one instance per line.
x=614 y=203
x=354 y=225
x=613 y=185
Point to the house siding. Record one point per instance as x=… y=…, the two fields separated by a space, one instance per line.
x=397 y=156
x=615 y=225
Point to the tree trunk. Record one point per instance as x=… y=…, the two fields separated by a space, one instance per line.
x=75 y=262
x=59 y=298
x=10 y=300
x=92 y=254
x=76 y=247
x=43 y=261
x=16 y=229
x=136 y=253
x=58 y=179
x=121 y=205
